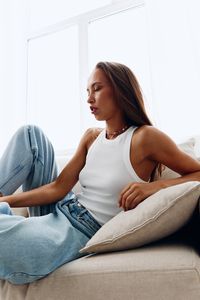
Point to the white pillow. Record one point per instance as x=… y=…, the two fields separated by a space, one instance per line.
x=156 y=217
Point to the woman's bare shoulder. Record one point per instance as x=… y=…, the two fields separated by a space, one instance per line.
x=153 y=141
x=147 y=139
x=91 y=134
x=94 y=130
x=146 y=129
x=147 y=133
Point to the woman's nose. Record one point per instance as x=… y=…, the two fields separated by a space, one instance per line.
x=90 y=98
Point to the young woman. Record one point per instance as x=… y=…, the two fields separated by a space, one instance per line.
x=114 y=165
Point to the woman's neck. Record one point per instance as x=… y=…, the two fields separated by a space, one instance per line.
x=113 y=130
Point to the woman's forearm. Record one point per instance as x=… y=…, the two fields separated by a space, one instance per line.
x=43 y=195
x=136 y=192
x=164 y=183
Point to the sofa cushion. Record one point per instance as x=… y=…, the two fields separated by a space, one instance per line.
x=158 y=216
x=163 y=270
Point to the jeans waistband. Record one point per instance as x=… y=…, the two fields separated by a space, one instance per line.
x=80 y=217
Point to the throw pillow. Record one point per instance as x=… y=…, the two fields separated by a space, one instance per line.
x=156 y=217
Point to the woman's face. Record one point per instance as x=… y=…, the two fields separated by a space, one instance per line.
x=101 y=96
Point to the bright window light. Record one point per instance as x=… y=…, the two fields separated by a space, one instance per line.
x=47 y=12
x=53 y=87
x=122 y=38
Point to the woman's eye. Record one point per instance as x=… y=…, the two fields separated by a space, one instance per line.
x=96 y=88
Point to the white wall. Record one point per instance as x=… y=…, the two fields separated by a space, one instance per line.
x=174 y=52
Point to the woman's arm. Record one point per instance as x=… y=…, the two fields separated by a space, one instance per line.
x=56 y=190
x=160 y=149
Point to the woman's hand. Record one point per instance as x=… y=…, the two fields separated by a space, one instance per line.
x=136 y=192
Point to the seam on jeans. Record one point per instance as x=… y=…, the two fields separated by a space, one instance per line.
x=15 y=275
x=84 y=210
x=80 y=226
x=17 y=170
x=87 y=223
x=33 y=148
x=90 y=222
x=75 y=223
x=85 y=219
x=40 y=158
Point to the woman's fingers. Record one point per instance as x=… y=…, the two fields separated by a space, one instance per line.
x=136 y=192
x=132 y=195
x=125 y=192
x=131 y=202
x=127 y=197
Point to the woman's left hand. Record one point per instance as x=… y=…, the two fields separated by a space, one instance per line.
x=135 y=192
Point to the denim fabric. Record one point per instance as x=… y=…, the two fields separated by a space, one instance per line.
x=28 y=161
x=79 y=216
x=5 y=209
x=31 y=248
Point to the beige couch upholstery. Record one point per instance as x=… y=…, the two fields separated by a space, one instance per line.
x=169 y=269
x=164 y=270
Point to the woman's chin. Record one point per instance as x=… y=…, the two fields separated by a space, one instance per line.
x=98 y=118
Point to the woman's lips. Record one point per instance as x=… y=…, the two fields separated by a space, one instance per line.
x=93 y=109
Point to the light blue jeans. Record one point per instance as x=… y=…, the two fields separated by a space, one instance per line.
x=31 y=248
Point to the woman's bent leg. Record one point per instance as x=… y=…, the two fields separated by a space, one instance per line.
x=31 y=248
x=44 y=169
x=28 y=161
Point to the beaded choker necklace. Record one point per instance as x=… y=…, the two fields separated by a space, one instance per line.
x=114 y=134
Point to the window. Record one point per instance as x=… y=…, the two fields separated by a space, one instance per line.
x=116 y=38
x=53 y=93
x=47 y=12
x=67 y=38
x=60 y=55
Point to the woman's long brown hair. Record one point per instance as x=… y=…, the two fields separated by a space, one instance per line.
x=127 y=91
x=128 y=95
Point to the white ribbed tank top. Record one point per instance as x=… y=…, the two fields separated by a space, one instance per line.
x=106 y=172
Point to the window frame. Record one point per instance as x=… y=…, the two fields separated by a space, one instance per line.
x=83 y=21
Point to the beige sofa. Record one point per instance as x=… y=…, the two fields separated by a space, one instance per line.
x=167 y=269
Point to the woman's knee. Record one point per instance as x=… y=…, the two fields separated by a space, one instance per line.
x=25 y=131
x=29 y=128
x=32 y=135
